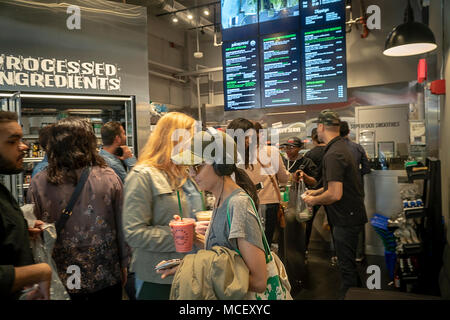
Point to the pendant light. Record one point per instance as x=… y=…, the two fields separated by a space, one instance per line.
x=410 y=38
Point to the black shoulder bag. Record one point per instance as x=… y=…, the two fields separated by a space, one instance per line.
x=67 y=212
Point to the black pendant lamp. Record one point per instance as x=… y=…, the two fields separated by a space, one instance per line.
x=409 y=38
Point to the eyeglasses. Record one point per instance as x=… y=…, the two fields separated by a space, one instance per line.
x=195 y=169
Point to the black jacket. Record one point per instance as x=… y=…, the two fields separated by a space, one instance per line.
x=14 y=242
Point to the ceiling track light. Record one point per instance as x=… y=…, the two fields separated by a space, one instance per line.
x=410 y=38
x=348 y=4
x=190 y=16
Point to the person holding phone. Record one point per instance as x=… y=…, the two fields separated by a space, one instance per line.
x=234 y=222
x=118 y=157
x=115 y=151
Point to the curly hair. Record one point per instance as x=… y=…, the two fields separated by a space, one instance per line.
x=71 y=145
x=44 y=135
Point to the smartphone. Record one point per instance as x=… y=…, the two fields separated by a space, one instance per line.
x=118 y=152
x=259 y=186
x=168 y=264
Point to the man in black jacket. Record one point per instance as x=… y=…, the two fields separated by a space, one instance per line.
x=17 y=268
x=342 y=197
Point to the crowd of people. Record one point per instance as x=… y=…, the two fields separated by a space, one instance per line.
x=112 y=211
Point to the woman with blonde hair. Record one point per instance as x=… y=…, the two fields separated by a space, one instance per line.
x=155 y=190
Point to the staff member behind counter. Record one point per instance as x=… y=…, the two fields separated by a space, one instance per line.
x=342 y=197
x=297 y=162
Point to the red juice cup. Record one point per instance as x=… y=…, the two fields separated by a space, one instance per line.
x=183 y=234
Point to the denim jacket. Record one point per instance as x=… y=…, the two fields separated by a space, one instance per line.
x=149 y=206
x=118 y=165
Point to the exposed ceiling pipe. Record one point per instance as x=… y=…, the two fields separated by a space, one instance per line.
x=164 y=76
x=165 y=66
x=200 y=72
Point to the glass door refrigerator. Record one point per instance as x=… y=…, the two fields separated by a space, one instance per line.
x=35 y=111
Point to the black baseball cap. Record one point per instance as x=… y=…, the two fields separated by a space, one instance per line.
x=294 y=141
x=328 y=118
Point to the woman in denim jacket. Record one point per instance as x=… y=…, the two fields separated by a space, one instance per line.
x=152 y=190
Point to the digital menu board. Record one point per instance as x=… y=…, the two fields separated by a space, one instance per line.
x=296 y=54
x=281 y=70
x=241 y=75
x=323 y=55
x=239 y=19
x=324 y=66
x=278 y=16
x=319 y=13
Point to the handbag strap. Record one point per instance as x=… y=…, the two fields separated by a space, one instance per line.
x=275 y=184
x=267 y=253
x=67 y=212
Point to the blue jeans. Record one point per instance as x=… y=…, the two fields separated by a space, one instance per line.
x=346 y=242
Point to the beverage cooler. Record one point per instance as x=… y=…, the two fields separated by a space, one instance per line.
x=38 y=110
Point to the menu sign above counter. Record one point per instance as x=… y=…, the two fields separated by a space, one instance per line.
x=281 y=70
x=324 y=76
x=241 y=75
x=299 y=56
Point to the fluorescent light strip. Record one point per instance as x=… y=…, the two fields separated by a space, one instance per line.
x=71 y=97
x=278 y=113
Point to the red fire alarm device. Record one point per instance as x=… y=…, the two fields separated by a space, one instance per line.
x=422 y=71
x=438 y=87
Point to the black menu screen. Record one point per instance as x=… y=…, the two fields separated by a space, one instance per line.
x=241 y=76
x=284 y=54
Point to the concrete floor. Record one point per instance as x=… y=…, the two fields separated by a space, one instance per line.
x=322 y=279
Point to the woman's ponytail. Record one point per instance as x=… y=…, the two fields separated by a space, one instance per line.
x=244 y=181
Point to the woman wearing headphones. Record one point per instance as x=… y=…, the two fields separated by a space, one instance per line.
x=213 y=170
x=155 y=190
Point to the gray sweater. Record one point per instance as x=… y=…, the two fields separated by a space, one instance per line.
x=149 y=205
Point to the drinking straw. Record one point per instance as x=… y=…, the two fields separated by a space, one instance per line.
x=179 y=204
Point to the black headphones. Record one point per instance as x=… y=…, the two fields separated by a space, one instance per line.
x=221 y=169
x=224 y=169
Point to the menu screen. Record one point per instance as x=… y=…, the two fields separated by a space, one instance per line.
x=241 y=76
x=281 y=70
x=278 y=16
x=239 y=19
x=324 y=59
x=296 y=54
x=319 y=13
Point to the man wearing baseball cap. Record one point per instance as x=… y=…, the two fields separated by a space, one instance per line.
x=342 y=197
x=297 y=163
